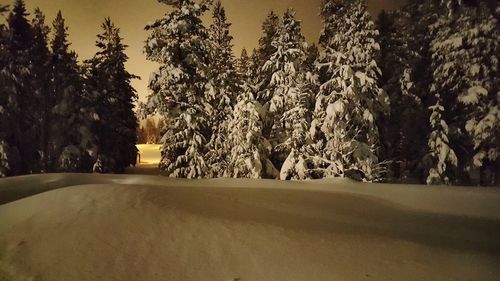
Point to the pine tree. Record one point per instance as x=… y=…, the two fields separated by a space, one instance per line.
x=291 y=98
x=344 y=129
x=40 y=81
x=151 y=132
x=141 y=135
x=223 y=87
x=401 y=54
x=5 y=101
x=178 y=42
x=465 y=81
x=439 y=147
x=114 y=97
x=22 y=139
x=243 y=65
x=250 y=151
x=70 y=137
x=312 y=54
x=265 y=50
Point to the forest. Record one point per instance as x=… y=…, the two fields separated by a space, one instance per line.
x=58 y=115
x=411 y=96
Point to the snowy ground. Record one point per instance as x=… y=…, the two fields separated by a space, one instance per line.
x=149 y=153
x=135 y=227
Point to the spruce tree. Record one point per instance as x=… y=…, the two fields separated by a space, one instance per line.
x=243 y=65
x=179 y=42
x=465 y=83
x=109 y=83
x=265 y=50
x=22 y=123
x=350 y=102
x=40 y=79
x=291 y=98
x=70 y=135
x=223 y=88
x=401 y=53
x=250 y=151
x=5 y=101
x=312 y=54
x=439 y=147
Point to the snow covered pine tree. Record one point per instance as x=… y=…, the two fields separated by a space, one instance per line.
x=179 y=42
x=261 y=55
x=21 y=111
x=70 y=140
x=344 y=129
x=403 y=134
x=222 y=90
x=250 y=151
x=40 y=81
x=113 y=98
x=291 y=96
x=5 y=100
x=465 y=84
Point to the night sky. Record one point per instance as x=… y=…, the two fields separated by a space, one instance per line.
x=84 y=18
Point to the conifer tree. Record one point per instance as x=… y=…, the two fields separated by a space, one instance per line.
x=401 y=53
x=291 y=98
x=70 y=137
x=243 y=65
x=253 y=69
x=5 y=101
x=265 y=50
x=223 y=88
x=250 y=151
x=465 y=83
x=439 y=147
x=179 y=42
x=40 y=81
x=22 y=124
x=109 y=82
x=151 y=128
x=344 y=129
x=312 y=54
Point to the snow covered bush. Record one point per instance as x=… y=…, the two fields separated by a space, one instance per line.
x=72 y=159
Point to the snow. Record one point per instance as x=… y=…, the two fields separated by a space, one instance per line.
x=150 y=153
x=473 y=95
x=103 y=227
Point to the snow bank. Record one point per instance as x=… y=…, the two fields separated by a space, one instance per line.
x=111 y=227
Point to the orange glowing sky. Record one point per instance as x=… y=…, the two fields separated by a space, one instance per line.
x=84 y=18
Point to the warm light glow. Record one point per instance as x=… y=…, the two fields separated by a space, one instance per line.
x=84 y=19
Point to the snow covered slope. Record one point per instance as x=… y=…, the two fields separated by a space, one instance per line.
x=111 y=227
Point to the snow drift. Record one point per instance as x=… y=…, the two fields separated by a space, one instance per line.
x=110 y=227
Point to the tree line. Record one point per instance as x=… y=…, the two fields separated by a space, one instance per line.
x=57 y=115
x=412 y=96
x=150 y=132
